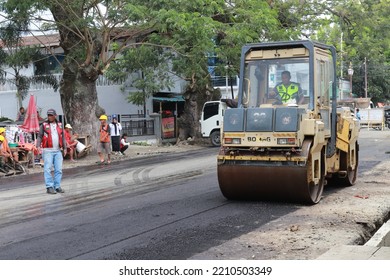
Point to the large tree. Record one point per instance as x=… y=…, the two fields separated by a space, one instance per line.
x=87 y=32
x=93 y=33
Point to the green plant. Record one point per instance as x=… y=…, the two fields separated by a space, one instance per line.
x=140 y=143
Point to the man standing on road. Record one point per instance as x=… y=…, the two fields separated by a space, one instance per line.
x=104 y=140
x=52 y=143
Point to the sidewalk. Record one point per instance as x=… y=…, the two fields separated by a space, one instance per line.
x=377 y=248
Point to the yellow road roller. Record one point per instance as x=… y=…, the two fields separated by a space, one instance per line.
x=287 y=138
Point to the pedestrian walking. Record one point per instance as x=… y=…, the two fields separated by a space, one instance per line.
x=115 y=132
x=358 y=116
x=52 y=144
x=104 y=140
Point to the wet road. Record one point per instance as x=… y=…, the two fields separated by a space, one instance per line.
x=165 y=207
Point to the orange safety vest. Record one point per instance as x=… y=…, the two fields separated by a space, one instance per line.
x=47 y=141
x=104 y=135
x=5 y=145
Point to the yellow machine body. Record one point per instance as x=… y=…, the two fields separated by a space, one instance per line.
x=287 y=151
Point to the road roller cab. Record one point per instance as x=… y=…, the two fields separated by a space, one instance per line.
x=287 y=139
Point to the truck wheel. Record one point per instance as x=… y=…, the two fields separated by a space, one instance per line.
x=350 y=179
x=215 y=137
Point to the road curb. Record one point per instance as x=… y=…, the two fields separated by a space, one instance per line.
x=381 y=238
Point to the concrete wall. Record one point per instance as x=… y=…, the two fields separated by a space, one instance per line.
x=111 y=98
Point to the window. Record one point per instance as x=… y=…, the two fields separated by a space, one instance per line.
x=210 y=109
x=262 y=76
x=48 y=65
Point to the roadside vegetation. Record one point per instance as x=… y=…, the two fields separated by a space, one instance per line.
x=167 y=40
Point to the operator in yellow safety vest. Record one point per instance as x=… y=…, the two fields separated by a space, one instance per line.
x=287 y=92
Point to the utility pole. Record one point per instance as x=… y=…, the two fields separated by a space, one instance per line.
x=350 y=73
x=365 y=77
x=341 y=66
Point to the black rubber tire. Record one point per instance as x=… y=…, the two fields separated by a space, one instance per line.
x=315 y=190
x=351 y=176
x=350 y=179
x=215 y=138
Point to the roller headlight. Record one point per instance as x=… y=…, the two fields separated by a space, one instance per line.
x=286 y=141
x=234 y=141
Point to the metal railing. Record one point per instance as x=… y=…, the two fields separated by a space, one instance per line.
x=10 y=84
x=220 y=81
x=138 y=127
x=128 y=117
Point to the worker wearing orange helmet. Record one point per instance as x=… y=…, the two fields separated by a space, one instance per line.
x=104 y=140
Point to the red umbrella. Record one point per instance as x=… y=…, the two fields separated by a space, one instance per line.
x=31 y=122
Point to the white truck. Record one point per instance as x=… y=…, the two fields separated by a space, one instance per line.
x=211 y=120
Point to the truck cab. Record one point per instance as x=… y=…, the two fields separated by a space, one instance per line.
x=211 y=121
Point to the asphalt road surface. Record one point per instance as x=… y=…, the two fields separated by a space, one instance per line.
x=164 y=207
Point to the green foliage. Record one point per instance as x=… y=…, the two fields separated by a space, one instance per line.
x=364 y=25
x=172 y=39
x=186 y=32
x=140 y=143
x=4 y=119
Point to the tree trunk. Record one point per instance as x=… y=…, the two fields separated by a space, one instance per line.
x=189 y=120
x=80 y=103
x=78 y=85
x=189 y=126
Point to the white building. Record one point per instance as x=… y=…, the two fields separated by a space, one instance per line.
x=110 y=95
